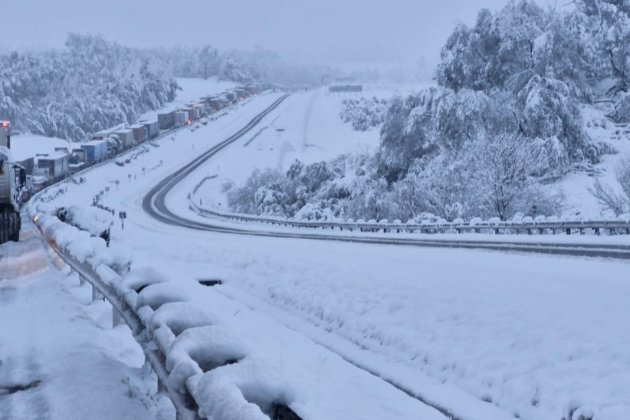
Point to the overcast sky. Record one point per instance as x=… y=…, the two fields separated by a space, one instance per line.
x=338 y=32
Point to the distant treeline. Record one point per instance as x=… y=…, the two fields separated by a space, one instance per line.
x=92 y=83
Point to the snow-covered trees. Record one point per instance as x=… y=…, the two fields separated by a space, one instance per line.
x=621 y=111
x=494 y=177
x=505 y=167
x=256 y=66
x=90 y=85
x=504 y=120
x=506 y=49
x=93 y=84
x=604 y=26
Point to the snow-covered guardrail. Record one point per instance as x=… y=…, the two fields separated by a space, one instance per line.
x=181 y=342
x=597 y=227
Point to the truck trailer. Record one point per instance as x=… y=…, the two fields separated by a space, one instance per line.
x=95 y=151
x=125 y=138
x=166 y=120
x=56 y=163
x=152 y=128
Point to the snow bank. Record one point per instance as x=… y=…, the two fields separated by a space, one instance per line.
x=248 y=390
x=203 y=349
x=158 y=294
x=180 y=316
x=80 y=245
x=91 y=219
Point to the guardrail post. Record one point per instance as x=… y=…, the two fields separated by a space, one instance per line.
x=81 y=280
x=96 y=295
x=116 y=318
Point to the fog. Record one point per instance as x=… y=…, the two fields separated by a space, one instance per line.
x=334 y=32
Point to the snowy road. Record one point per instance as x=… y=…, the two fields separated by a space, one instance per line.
x=59 y=358
x=537 y=336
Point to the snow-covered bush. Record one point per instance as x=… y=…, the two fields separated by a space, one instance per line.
x=364 y=113
x=621 y=111
x=615 y=200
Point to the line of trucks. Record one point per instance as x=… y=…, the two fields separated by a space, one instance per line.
x=18 y=180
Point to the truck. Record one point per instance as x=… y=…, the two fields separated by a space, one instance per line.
x=166 y=120
x=139 y=133
x=181 y=118
x=125 y=138
x=12 y=188
x=56 y=163
x=95 y=151
x=152 y=127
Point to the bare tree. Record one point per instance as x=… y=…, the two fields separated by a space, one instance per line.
x=608 y=198
x=505 y=167
x=618 y=202
x=623 y=177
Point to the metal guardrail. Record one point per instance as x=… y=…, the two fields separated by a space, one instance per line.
x=143 y=330
x=185 y=405
x=562 y=227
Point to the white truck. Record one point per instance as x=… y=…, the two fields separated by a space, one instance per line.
x=12 y=188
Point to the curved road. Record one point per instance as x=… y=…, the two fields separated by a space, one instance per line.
x=154 y=203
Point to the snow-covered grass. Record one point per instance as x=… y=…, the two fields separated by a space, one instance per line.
x=307 y=127
x=541 y=336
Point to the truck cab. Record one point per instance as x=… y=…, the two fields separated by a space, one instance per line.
x=12 y=188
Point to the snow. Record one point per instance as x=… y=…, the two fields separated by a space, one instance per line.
x=579 y=201
x=489 y=335
x=91 y=219
x=192 y=90
x=307 y=127
x=58 y=345
x=24 y=146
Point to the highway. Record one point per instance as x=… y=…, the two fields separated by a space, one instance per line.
x=418 y=315
x=154 y=204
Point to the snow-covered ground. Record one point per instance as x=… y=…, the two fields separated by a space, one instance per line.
x=59 y=357
x=310 y=129
x=307 y=127
x=538 y=336
x=579 y=200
